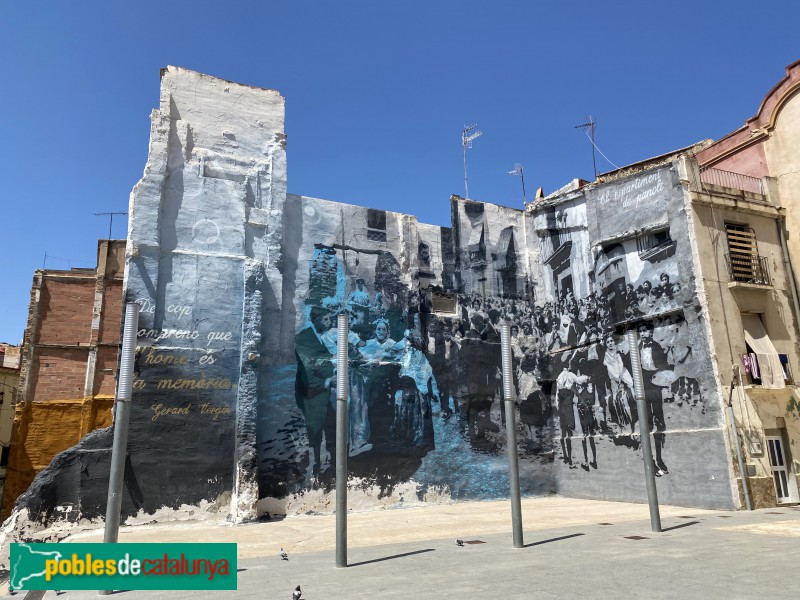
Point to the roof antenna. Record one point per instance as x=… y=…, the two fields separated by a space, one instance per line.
x=590 y=124
x=110 y=219
x=466 y=140
x=518 y=170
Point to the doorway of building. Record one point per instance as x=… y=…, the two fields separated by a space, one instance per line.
x=780 y=472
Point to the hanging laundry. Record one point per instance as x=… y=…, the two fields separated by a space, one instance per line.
x=747 y=364
x=754 y=370
x=784 y=358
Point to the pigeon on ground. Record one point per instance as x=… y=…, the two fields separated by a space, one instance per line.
x=459 y=542
x=284 y=556
x=296 y=594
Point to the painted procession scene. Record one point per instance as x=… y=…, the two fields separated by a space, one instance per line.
x=424 y=381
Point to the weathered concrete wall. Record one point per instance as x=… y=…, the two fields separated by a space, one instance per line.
x=207 y=221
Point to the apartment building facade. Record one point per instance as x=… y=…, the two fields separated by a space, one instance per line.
x=746 y=189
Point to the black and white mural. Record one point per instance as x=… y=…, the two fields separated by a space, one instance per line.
x=240 y=287
x=236 y=370
x=425 y=384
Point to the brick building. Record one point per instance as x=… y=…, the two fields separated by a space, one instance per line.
x=68 y=363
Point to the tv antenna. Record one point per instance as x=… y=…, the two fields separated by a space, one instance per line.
x=50 y=256
x=467 y=136
x=590 y=125
x=518 y=170
x=110 y=219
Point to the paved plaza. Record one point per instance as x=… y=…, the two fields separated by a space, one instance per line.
x=573 y=549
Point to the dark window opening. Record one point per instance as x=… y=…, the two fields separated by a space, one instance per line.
x=744 y=263
x=376 y=225
x=655 y=246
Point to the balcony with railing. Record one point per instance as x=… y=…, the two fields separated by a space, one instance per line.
x=748 y=268
x=556 y=246
x=655 y=246
x=732 y=180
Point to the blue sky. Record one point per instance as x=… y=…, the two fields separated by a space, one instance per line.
x=376 y=96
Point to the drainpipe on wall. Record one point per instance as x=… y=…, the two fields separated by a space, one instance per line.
x=742 y=472
x=787 y=264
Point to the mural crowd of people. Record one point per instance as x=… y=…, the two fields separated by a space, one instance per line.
x=408 y=365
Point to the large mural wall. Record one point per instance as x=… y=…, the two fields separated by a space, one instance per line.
x=240 y=286
x=638 y=270
x=424 y=377
x=424 y=381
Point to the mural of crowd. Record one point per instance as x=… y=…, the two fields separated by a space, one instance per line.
x=391 y=381
x=409 y=365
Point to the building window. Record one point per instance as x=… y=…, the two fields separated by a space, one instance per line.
x=744 y=263
x=477 y=247
x=555 y=246
x=376 y=225
x=655 y=246
x=4 y=456
x=762 y=362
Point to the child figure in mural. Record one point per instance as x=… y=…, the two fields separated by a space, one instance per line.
x=358 y=408
x=443 y=358
x=359 y=296
x=358 y=307
x=621 y=402
x=381 y=347
x=646 y=298
x=566 y=384
x=584 y=393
